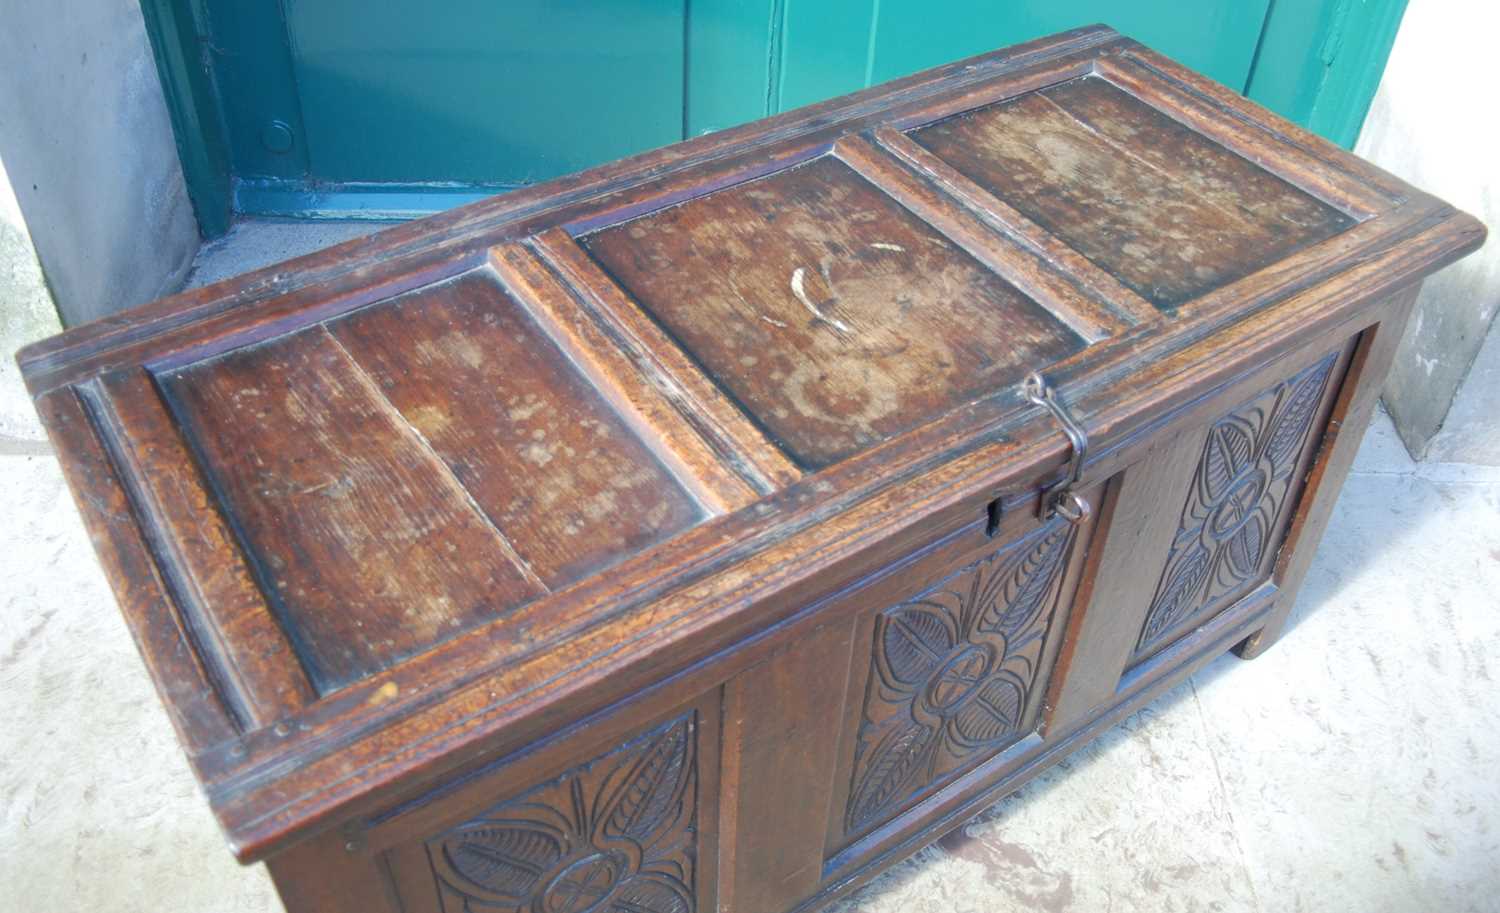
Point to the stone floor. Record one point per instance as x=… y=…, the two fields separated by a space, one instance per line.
x=1355 y=767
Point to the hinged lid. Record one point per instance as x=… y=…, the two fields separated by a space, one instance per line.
x=372 y=507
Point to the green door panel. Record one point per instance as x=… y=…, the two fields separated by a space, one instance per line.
x=253 y=66
x=1322 y=62
x=837 y=46
x=733 y=49
x=480 y=92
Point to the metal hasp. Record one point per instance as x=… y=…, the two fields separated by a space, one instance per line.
x=1061 y=498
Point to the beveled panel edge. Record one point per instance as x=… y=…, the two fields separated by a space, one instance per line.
x=246 y=652
x=1101 y=292
x=619 y=380
x=201 y=720
x=995 y=250
x=1311 y=164
x=721 y=424
x=476 y=226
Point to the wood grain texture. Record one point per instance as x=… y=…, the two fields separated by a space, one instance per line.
x=733 y=438
x=200 y=716
x=370 y=547
x=835 y=317
x=233 y=624
x=1170 y=214
x=633 y=390
x=781 y=768
x=1128 y=565
x=1090 y=317
x=568 y=484
x=1092 y=280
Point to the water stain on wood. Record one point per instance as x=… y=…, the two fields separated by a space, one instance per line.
x=833 y=315
x=1170 y=213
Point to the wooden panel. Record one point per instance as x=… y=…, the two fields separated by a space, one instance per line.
x=833 y=315
x=1127 y=562
x=571 y=487
x=1057 y=255
x=1246 y=480
x=779 y=763
x=735 y=442
x=1091 y=318
x=616 y=833
x=367 y=544
x=620 y=814
x=230 y=617
x=954 y=675
x=1171 y=214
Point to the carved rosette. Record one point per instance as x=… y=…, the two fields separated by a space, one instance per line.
x=952 y=673
x=616 y=835
x=1230 y=521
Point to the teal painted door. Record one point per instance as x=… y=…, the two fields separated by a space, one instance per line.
x=834 y=46
x=481 y=92
x=342 y=107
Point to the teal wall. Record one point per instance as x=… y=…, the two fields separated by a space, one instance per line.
x=347 y=107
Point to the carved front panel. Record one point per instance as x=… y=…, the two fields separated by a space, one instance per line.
x=1236 y=507
x=952 y=674
x=615 y=835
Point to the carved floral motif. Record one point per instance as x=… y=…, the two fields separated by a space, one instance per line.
x=1239 y=492
x=616 y=835
x=952 y=672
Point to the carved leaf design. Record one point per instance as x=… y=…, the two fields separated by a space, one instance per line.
x=1181 y=592
x=616 y=833
x=1244 y=550
x=994 y=713
x=1228 y=452
x=1026 y=588
x=951 y=671
x=901 y=757
x=503 y=860
x=1240 y=489
x=1295 y=414
x=652 y=789
x=651 y=894
x=915 y=640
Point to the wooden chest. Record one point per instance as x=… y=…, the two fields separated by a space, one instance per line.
x=686 y=534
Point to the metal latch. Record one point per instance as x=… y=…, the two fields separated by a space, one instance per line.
x=1061 y=498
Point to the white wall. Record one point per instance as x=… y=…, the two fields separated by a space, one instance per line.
x=86 y=139
x=1434 y=122
x=26 y=315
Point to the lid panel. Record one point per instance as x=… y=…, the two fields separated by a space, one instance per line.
x=406 y=471
x=1169 y=213
x=545 y=458
x=366 y=545
x=834 y=316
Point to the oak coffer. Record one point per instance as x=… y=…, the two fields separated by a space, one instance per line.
x=710 y=529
